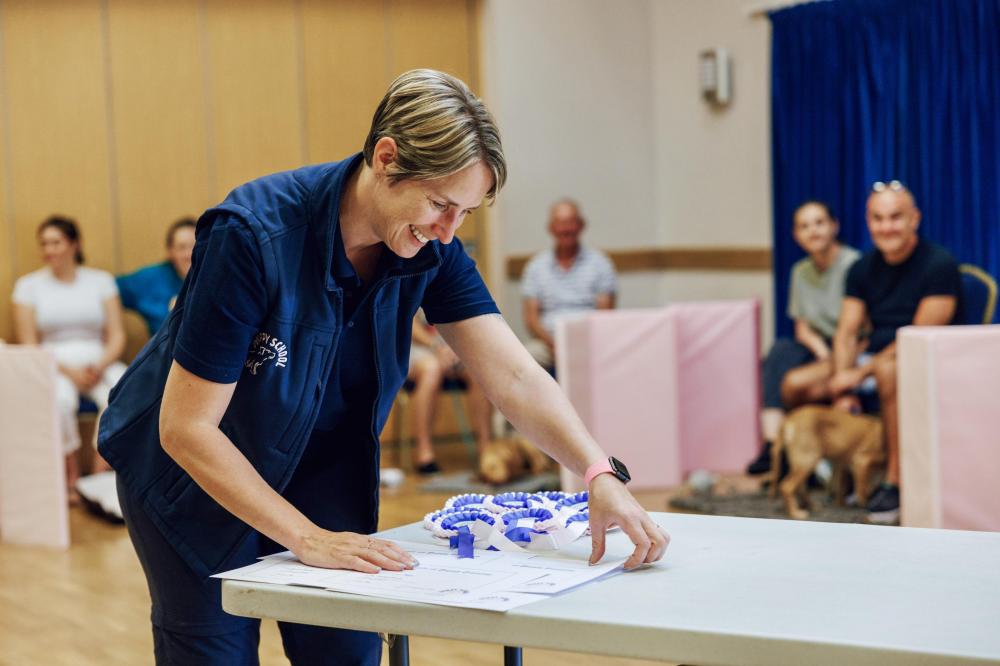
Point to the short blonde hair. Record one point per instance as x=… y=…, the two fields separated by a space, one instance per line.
x=440 y=127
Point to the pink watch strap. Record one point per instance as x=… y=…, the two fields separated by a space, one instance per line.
x=599 y=467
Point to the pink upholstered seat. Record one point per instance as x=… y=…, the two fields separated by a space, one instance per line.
x=667 y=390
x=949 y=422
x=32 y=473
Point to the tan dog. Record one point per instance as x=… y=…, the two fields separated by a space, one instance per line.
x=814 y=432
x=505 y=460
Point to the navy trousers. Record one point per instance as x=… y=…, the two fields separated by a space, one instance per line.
x=190 y=628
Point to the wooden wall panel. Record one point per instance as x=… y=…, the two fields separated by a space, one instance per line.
x=346 y=73
x=160 y=121
x=673 y=259
x=255 y=82
x=58 y=118
x=431 y=33
x=6 y=229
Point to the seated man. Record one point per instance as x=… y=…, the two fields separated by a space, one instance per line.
x=568 y=279
x=904 y=280
x=815 y=294
x=431 y=361
x=151 y=291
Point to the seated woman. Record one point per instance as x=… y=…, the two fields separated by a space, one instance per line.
x=817 y=288
x=431 y=361
x=75 y=313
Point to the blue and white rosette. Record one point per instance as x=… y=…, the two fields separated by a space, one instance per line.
x=521 y=525
x=549 y=498
x=505 y=502
x=572 y=503
x=435 y=517
x=468 y=501
x=463 y=527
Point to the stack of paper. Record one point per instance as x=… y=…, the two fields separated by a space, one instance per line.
x=491 y=580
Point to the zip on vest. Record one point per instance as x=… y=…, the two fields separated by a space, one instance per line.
x=378 y=379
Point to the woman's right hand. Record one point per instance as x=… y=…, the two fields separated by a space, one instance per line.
x=356 y=552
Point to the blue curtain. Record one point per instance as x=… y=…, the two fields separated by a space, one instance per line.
x=866 y=90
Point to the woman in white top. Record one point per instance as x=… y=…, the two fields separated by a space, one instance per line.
x=75 y=313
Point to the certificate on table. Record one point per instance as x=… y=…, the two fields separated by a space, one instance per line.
x=492 y=580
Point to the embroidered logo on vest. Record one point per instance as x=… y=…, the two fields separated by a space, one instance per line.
x=265 y=348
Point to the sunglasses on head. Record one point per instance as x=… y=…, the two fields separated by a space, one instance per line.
x=893 y=185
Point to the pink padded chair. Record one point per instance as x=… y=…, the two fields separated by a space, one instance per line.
x=667 y=390
x=32 y=467
x=949 y=426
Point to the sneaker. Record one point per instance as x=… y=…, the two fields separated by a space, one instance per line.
x=883 y=507
x=762 y=463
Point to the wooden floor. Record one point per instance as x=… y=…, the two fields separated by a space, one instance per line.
x=89 y=604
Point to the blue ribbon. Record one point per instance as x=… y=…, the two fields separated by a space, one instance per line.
x=522 y=534
x=464 y=541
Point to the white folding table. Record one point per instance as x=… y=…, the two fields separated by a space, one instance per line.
x=729 y=591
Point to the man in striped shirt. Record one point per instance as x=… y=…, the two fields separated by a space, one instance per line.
x=567 y=279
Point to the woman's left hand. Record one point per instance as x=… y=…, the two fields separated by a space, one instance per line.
x=612 y=504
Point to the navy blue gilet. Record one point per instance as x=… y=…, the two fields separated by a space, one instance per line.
x=293 y=217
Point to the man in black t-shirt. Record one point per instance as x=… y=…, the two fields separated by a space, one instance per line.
x=904 y=281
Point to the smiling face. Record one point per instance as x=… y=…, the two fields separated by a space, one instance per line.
x=413 y=212
x=893 y=219
x=814 y=230
x=58 y=251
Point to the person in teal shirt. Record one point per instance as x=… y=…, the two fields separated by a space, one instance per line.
x=151 y=290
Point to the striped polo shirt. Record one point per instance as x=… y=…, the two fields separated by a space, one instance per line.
x=564 y=292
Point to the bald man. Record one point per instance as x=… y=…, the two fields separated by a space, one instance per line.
x=568 y=279
x=905 y=280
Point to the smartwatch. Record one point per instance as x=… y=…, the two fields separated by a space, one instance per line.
x=611 y=466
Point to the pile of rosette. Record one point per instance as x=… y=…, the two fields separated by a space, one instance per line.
x=510 y=521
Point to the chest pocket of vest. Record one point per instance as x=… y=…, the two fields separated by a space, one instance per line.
x=274 y=405
x=308 y=401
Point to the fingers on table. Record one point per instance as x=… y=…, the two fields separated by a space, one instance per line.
x=660 y=540
x=597 y=542
x=637 y=535
x=649 y=539
x=383 y=554
x=395 y=553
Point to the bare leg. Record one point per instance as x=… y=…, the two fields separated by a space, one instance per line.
x=426 y=375
x=72 y=474
x=770 y=422
x=885 y=375
x=807 y=384
x=480 y=413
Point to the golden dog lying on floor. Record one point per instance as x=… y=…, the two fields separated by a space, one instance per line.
x=814 y=432
x=506 y=460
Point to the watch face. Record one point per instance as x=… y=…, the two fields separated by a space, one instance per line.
x=621 y=471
